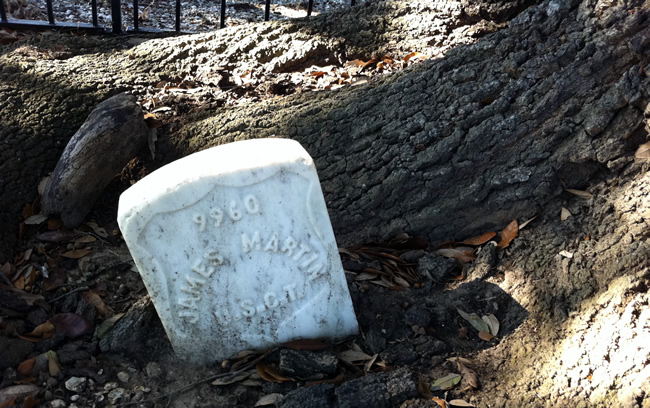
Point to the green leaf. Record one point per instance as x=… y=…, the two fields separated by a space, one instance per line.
x=445 y=383
x=475 y=321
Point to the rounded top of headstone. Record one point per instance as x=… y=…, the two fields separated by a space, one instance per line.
x=234 y=164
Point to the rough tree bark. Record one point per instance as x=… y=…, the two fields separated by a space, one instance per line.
x=467 y=142
x=114 y=132
x=50 y=84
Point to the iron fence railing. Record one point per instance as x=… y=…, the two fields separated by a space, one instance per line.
x=116 y=18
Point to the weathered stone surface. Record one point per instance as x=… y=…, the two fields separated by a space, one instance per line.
x=236 y=249
x=113 y=133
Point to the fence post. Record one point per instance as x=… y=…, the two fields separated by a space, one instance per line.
x=267 y=10
x=116 y=12
x=310 y=7
x=3 y=13
x=94 y=8
x=178 y=15
x=222 y=24
x=136 y=16
x=50 y=12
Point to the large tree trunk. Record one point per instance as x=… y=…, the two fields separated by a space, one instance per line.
x=490 y=132
x=49 y=84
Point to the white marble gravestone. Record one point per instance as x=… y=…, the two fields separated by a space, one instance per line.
x=236 y=249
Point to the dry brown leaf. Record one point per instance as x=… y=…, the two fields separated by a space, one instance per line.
x=76 y=253
x=460 y=403
x=370 y=363
x=523 y=224
x=643 y=152
x=462 y=360
x=269 y=399
x=270 y=374
x=97 y=229
x=355 y=63
x=485 y=336
x=54 y=224
x=492 y=322
x=53 y=363
x=44 y=330
x=564 y=214
x=36 y=219
x=352 y=356
x=85 y=239
x=446 y=383
x=461 y=255
x=423 y=389
x=19 y=283
x=481 y=239
x=365 y=276
x=580 y=193
x=508 y=234
x=25 y=368
x=401 y=282
x=414 y=55
x=442 y=403
x=94 y=299
x=18 y=391
x=469 y=375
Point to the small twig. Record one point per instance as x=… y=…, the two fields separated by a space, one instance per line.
x=80 y=288
x=188 y=387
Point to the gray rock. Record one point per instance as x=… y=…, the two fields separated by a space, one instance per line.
x=305 y=363
x=383 y=390
x=123 y=376
x=117 y=395
x=154 y=370
x=76 y=384
x=436 y=268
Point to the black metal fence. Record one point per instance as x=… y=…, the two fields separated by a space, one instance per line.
x=116 y=16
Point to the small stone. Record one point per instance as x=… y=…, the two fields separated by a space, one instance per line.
x=74 y=398
x=76 y=384
x=116 y=396
x=153 y=370
x=110 y=386
x=57 y=403
x=47 y=396
x=123 y=376
x=51 y=382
